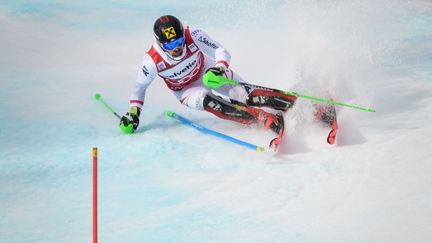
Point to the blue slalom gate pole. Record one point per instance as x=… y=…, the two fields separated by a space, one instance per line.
x=214 y=133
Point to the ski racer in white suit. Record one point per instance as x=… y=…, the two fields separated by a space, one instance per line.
x=181 y=56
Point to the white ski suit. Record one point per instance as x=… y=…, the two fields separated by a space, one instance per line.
x=184 y=76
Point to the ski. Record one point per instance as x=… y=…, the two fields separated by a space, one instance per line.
x=275 y=142
x=327 y=115
x=331 y=138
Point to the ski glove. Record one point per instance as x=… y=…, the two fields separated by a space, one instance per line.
x=130 y=121
x=217 y=70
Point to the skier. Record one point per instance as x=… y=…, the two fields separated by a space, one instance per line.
x=181 y=56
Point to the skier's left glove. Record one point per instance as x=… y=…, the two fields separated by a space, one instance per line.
x=130 y=121
x=217 y=70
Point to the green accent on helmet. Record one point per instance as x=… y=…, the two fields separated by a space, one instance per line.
x=127 y=129
x=214 y=81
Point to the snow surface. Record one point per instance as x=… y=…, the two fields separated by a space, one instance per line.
x=170 y=183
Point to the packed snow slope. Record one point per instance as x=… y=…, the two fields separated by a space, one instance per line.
x=170 y=183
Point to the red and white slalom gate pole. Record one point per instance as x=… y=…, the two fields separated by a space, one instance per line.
x=95 y=229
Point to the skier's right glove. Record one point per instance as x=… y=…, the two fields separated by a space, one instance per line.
x=130 y=121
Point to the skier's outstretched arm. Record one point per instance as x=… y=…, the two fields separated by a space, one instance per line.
x=147 y=73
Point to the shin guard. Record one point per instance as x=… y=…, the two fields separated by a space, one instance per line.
x=270 y=98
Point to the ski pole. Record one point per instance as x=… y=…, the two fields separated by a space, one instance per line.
x=214 y=133
x=213 y=81
x=99 y=98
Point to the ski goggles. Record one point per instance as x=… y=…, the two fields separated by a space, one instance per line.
x=169 y=46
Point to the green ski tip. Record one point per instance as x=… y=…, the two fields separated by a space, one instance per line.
x=97 y=96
